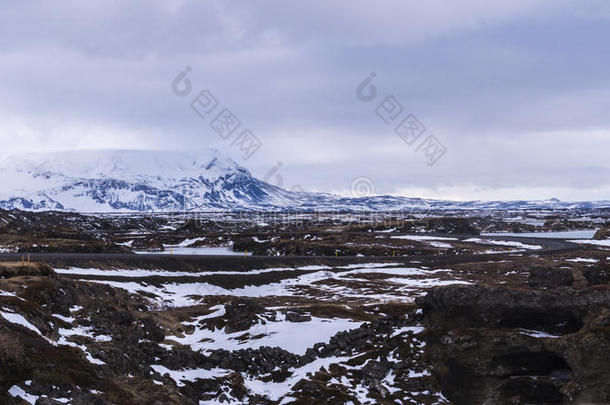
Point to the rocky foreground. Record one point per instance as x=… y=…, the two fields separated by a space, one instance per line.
x=492 y=345
x=496 y=333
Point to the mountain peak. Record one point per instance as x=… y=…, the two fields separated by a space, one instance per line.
x=110 y=180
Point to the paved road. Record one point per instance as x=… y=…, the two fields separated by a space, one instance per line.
x=238 y=263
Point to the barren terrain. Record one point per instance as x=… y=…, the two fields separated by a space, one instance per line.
x=425 y=311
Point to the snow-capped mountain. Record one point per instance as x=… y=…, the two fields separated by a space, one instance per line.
x=147 y=181
x=107 y=181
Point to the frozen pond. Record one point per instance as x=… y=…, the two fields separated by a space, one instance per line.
x=207 y=251
x=582 y=234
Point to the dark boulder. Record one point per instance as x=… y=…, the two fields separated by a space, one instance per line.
x=148 y=244
x=597 y=275
x=297 y=315
x=374 y=371
x=241 y=314
x=492 y=345
x=152 y=331
x=548 y=277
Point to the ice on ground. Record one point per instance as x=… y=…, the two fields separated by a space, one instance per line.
x=422 y=237
x=83 y=331
x=170 y=294
x=275 y=390
x=188 y=242
x=538 y=334
x=387 y=230
x=19 y=320
x=16 y=391
x=8 y=294
x=582 y=234
x=295 y=337
x=66 y=319
x=196 y=251
x=592 y=242
x=141 y=273
x=317 y=284
x=582 y=260
x=413 y=329
x=426 y=282
x=190 y=375
x=503 y=243
x=64 y=333
x=367 y=265
x=398 y=271
x=441 y=245
x=218 y=310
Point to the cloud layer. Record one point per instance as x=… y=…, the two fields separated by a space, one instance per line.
x=518 y=91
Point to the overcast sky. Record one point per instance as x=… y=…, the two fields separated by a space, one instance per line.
x=516 y=91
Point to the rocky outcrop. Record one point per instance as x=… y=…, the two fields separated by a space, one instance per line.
x=598 y=274
x=241 y=314
x=602 y=234
x=148 y=244
x=548 y=277
x=492 y=345
x=457 y=226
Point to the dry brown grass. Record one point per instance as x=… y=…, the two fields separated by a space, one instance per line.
x=16 y=269
x=11 y=350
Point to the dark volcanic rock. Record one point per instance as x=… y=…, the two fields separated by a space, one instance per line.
x=597 y=275
x=492 y=345
x=190 y=227
x=241 y=314
x=152 y=330
x=560 y=311
x=457 y=226
x=297 y=315
x=550 y=278
x=148 y=244
x=374 y=371
x=601 y=234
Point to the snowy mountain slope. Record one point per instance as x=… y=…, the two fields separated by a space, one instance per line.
x=128 y=181
x=106 y=181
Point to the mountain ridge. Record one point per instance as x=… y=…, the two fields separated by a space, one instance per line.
x=103 y=181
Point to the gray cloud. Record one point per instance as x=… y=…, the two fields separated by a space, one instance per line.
x=518 y=92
